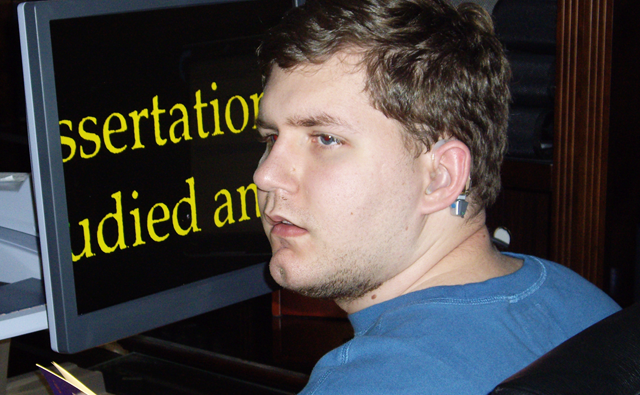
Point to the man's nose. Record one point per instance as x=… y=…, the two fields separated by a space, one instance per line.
x=279 y=168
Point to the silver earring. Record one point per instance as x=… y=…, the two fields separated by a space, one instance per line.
x=459 y=207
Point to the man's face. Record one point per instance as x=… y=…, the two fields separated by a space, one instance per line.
x=338 y=190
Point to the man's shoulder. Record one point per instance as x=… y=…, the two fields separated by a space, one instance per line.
x=569 y=299
x=569 y=292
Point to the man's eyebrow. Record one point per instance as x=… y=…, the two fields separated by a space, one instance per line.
x=321 y=119
x=261 y=123
x=306 y=121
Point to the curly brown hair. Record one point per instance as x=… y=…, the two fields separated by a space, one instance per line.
x=439 y=71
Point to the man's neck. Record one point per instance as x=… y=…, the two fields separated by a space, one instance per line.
x=453 y=259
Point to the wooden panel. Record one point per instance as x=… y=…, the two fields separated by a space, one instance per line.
x=581 y=135
x=285 y=302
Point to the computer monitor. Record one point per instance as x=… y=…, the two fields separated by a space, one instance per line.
x=141 y=118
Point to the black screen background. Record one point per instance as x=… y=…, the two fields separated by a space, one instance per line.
x=118 y=63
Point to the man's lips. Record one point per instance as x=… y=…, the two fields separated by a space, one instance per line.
x=282 y=227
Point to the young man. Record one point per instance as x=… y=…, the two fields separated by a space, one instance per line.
x=383 y=121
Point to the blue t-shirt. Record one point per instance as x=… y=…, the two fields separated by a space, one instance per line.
x=462 y=339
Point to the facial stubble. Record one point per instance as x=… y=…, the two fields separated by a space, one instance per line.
x=350 y=280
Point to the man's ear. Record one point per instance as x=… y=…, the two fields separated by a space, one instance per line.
x=449 y=166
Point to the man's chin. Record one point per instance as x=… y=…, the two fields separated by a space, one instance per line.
x=278 y=273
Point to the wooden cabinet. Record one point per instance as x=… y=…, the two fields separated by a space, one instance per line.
x=579 y=176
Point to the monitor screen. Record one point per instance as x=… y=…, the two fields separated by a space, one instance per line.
x=141 y=118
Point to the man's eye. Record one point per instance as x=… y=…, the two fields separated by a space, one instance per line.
x=326 y=139
x=269 y=139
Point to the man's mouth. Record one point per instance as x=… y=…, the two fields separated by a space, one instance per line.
x=284 y=228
